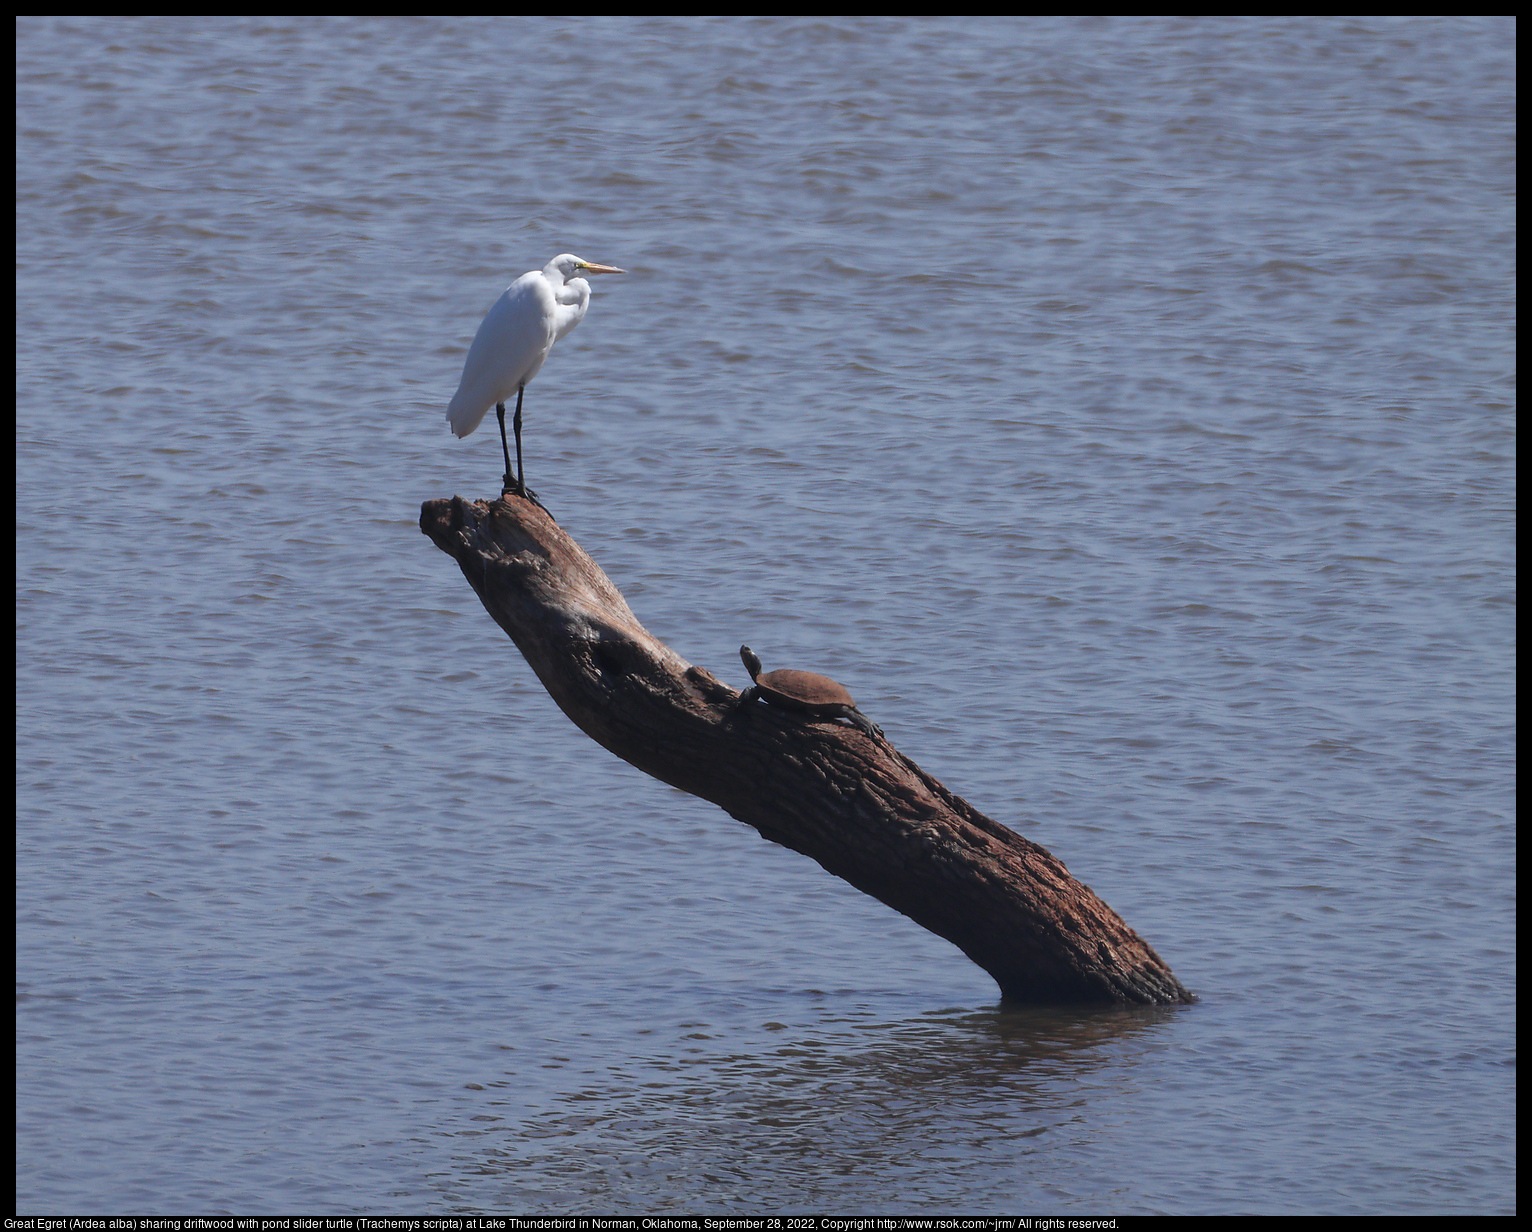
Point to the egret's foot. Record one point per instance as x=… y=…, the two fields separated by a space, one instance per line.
x=520 y=489
x=511 y=486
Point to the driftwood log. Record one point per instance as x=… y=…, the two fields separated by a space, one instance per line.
x=823 y=788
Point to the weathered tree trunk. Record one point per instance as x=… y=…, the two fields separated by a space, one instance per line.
x=825 y=789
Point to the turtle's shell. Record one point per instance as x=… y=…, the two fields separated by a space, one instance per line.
x=802 y=690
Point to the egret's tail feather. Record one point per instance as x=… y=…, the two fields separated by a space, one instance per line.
x=463 y=419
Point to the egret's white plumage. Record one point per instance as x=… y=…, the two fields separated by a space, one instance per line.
x=536 y=311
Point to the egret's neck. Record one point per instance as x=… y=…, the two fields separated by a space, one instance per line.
x=571 y=299
x=574 y=293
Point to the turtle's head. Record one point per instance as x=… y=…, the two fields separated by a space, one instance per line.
x=750 y=660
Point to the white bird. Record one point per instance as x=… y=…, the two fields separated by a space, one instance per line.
x=536 y=311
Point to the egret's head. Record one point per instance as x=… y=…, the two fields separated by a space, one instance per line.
x=567 y=265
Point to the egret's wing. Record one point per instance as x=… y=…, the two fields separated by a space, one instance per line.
x=506 y=353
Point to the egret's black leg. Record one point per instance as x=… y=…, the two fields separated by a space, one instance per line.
x=520 y=486
x=521 y=470
x=508 y=485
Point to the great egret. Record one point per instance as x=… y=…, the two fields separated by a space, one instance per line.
x=536 y=311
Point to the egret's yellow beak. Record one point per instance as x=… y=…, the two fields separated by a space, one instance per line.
x=588 y=268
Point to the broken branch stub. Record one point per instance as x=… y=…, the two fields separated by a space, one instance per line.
x=826 y=789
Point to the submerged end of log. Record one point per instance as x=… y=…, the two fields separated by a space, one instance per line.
x=822 y=787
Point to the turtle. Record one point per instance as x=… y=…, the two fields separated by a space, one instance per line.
x=806 y=692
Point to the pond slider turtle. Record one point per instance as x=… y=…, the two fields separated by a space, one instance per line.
x=806 y=692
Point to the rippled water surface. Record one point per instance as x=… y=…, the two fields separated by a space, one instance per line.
x=1120 y=407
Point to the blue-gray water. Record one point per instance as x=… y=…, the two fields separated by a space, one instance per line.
x=1121 y=408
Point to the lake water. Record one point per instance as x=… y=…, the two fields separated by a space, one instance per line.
x=1120 y=407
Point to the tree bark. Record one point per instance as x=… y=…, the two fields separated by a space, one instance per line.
x=821 y=787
